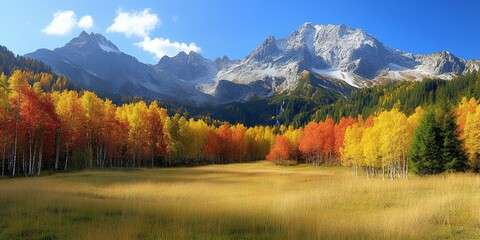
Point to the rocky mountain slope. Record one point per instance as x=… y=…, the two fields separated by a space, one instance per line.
x=97 y=64
x=342 y=58
x=339 y=54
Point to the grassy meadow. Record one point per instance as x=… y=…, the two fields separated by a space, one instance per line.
x=238 y=201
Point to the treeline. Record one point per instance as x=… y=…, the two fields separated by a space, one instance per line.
x=405 y=95
x=438 y=139
x=49 y=80
x=9 y=63
x=67 y=129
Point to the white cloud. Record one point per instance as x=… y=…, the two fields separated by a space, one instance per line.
x=63 y=22
x=141 y=24
x=134 y=23
x=161 y=47
x=86 y=22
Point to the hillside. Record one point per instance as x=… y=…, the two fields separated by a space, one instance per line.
x=49 y=80
x=308 y=102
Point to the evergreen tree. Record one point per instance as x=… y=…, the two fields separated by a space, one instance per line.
x=453 y=154
x=436 y=146
x=425 y=151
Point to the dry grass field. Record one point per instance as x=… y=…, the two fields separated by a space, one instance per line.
x=239 y=201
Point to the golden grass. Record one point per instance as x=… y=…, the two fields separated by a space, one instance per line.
x=238 y=201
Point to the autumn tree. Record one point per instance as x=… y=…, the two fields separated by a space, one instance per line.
x=471 y=135
x=280 y=152
x=339 y=132
x=199 y=132
x=213 y=146
x=174 y=136
x=237 y=143
x=157 y=142
x=317 y=143
x=371 y=150
x=258 y=141
x=352 y=149
x=465 y=108
x=293 y=135
x=5 y=119
x=93 y=112
x=70 y=134
x=115 y=135
x=136 y=113
x=309 y=144
x=17 y=83
x=46 y=129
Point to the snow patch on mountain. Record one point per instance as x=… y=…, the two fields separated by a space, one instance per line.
x=107 y=48
x=337 y=74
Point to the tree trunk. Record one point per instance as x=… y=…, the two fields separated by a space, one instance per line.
x=104 y=156
x=99 y=152
x=66 y=158
x=4 y=154
x=40 y=157
x=153 y=155
x=15 y=145
x=90 y=150
x=25 y=172
x=134 y=154
x=383 y=172
x=30 y=157
x=58 y=142
x=406 y=169
x=32 y=167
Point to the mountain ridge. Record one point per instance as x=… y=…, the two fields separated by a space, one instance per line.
x=97 y=64
x=333 y=53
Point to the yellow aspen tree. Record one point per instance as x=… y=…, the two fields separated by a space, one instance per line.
x=472 y=138
x=352 y=150
x=136 y=113
x=393 y=140
x=199 y=131
x=371 y=150
x=464 y=107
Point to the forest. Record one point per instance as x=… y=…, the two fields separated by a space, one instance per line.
x=47 y=128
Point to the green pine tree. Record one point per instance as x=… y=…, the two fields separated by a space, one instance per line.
x=436 y=147
x=425 y=151
x=453 y=154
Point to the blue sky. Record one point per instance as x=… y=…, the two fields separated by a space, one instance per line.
x=148 y=29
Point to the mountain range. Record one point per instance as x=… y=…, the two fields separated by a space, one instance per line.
x=339 y=57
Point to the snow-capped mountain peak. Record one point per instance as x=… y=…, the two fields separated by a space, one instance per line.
x=340 y=53
x=340 y=56
x=91 y=42
x=265 y=51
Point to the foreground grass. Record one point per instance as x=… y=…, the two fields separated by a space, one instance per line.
x=239 y=201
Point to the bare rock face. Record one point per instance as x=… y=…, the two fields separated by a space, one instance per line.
x=440 y=63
